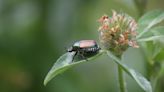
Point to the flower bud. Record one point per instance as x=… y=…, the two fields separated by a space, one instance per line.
x=118 y=32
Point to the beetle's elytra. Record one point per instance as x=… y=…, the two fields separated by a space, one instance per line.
x=85 y=48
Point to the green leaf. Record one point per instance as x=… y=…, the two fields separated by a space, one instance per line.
x=153 y=43
x=155 y=33
x=149 y=20
x=142 y=81
x=153 y=48
x=157 y=49
x=158 y=31
x=150 y=38
x=65 y=62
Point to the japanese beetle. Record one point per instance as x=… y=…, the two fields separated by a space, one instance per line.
x=85 y=48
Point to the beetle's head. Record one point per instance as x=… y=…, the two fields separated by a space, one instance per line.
x=70 y=49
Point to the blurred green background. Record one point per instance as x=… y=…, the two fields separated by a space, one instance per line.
x=34 y=33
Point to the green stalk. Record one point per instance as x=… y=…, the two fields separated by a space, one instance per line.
x=121 y=79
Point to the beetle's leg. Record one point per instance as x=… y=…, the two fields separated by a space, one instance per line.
x=74 y=56
x=85 y=58
x=82 y=55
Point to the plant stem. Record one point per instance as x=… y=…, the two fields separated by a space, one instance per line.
x=121 y=79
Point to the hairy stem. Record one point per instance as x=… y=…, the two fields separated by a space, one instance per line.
x=122 y=84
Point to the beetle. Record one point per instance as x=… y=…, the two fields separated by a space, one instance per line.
x=85 y=48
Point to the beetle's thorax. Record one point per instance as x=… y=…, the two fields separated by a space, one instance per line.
x=72 y=48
